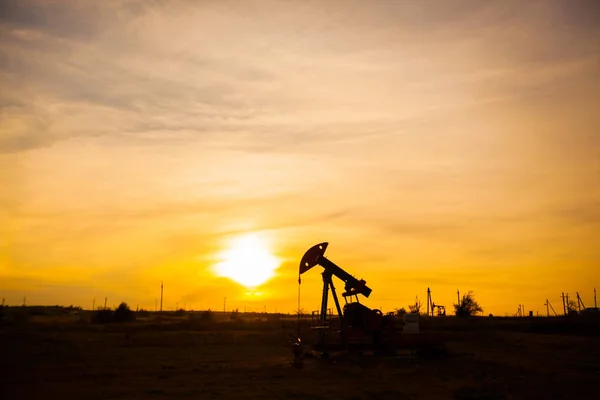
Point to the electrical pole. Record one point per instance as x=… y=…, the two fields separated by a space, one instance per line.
x=105 y=303
x=94 y=304
x=458 y=297
x=567 y=302
x=547 y=308
x=161 y=295
x=3 y=301
x=428 y=301
x=563 y=300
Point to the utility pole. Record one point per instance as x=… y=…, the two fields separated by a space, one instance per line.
x=567 y=302
x=3 y=302
x=161 y=295
x=564 y=306
x=428 y=301
x=94 y=304
x=105 y=303
x=458 y=296
x=579 y=302
x=547 y=308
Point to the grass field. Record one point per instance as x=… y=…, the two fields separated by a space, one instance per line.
x=57 y=359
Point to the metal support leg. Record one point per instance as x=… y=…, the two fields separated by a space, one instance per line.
x=337 y=303
x=323 y=315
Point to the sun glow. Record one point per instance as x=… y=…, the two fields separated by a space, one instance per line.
x=248 y=261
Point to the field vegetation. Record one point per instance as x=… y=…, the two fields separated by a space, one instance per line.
x=59 y=353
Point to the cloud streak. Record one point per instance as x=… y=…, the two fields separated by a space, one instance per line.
x=469 y=128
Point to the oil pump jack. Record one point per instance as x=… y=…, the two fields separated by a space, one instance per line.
x=360 y=326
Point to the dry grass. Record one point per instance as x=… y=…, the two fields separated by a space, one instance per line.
x=191 y=359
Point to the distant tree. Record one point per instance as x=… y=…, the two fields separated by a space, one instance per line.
x=300 y=311
x=123 y=313
x=400 y=311
x=416 y=307
x=572 y=307
x=467 y=306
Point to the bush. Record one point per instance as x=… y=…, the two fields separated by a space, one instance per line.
x=468 y=306
x=123 y=313
x=106 y=316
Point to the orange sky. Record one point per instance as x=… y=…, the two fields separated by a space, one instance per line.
x=446 y=144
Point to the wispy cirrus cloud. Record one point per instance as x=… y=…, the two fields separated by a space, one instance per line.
x=469 y=127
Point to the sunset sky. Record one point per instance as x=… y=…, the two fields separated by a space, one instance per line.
x=449 y=144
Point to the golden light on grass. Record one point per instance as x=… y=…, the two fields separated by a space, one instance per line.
x=247 y=261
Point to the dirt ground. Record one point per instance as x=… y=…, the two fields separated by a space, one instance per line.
x=247 y=364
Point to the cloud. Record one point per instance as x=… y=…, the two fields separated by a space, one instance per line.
x=175 y=83
x=391 y=129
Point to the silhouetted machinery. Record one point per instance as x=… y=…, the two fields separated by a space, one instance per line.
x=360 y=326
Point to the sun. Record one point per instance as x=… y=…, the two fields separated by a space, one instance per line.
x=248 y=261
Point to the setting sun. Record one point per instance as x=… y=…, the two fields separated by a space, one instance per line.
x=247 y=261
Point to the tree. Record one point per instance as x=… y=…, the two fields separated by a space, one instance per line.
x=415 y=308
x=400 y=311
x=123 y=313
x=571 y=307
x=467 y=306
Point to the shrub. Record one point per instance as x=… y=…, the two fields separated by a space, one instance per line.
x=106 y=316
x=467 y=306
x=123 y=313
